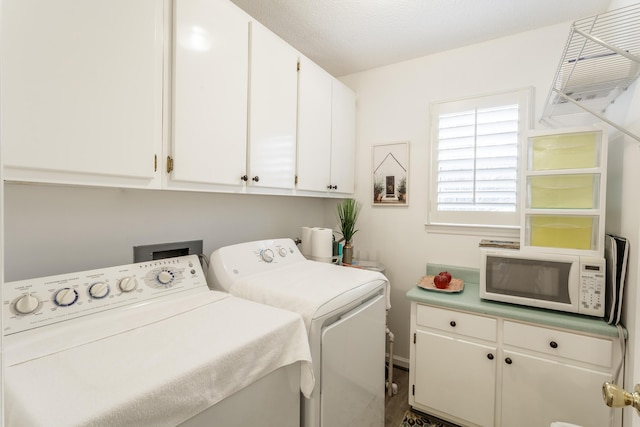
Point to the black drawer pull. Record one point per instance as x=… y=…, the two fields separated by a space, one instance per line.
x=553 y=344
x=453 y=323
x=490 y=356
x=508 y=361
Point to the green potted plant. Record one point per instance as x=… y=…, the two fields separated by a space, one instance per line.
x=348 y=211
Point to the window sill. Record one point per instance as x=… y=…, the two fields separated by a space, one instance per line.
x=512 y=233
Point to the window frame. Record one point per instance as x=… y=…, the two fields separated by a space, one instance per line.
x=474 y=222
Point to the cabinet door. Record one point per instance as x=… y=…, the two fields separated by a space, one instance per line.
x=536 y=392
x=82 y=91
x=211 y=57
x=343 y=138
x=447 y=369
x=314 y=127
x=273 y=110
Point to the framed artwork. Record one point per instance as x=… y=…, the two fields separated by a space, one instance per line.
x=390 y=184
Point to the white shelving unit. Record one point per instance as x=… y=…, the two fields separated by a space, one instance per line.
x=601 y=60
x=564 y=197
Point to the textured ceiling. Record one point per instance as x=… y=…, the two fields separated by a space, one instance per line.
x=348 y=36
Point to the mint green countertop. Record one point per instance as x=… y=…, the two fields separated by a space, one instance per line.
x=469 y=300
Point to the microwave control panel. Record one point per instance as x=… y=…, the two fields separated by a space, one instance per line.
x=592 y=286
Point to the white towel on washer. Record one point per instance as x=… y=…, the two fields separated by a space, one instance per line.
x=159 y=374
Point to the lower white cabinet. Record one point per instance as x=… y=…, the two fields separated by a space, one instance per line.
x=480 y=370
x=450 y=368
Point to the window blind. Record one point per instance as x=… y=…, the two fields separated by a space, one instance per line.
x=475 y=149
x=478 y=160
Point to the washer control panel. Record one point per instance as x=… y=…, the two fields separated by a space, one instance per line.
x=33 y=303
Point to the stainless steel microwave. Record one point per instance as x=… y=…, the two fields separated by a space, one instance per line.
x=560 y=282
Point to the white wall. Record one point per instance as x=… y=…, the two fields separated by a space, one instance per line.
x=393 y=106
x=58 y=229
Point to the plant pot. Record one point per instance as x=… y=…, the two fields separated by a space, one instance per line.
x=347 y=253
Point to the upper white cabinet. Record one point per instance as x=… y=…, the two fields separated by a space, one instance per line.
x=326 y=132
x=185 y=95
x=343 y=138
x=272 y=110
x=82 y=91
x=314 y=127
x=210 y=90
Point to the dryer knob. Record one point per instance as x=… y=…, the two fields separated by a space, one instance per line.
x=267 y=255
x=27 y=304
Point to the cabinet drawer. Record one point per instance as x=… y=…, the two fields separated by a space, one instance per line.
x=457 y=322
x=565 y=344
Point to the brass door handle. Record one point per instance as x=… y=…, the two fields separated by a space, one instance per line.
x=616 y=397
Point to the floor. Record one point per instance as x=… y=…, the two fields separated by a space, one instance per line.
x=397 y=404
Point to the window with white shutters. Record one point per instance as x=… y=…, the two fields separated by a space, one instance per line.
x=475 y=149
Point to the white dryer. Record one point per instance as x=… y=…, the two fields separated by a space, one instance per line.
x=344 y=312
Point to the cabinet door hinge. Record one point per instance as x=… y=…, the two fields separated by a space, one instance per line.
x=414 y=337
x=155 y=162
x=296 y=180
x=298 y=68
x=169 y=164
x=413 y=389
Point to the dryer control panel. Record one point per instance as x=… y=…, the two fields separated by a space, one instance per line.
x=234 y=262
x=33 y=303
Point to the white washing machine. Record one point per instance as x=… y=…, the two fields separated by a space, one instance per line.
x=149 y=344
x=343 y=310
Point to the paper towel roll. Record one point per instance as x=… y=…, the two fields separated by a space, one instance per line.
x=321 y=244
x=305 y=246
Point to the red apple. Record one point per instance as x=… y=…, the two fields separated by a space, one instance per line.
x=440 y=281
x=446 y=274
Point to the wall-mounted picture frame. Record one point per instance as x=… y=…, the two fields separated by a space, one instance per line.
x=390 y=177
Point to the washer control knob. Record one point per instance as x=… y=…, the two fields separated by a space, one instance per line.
x=128 y=284
x=65 y=297
x=99 y=290
x=282 y=252
x=26 y=304
x=267 y=255
x=165 y=277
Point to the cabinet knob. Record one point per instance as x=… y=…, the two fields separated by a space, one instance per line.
x=255 y=178
x=616 y=397
x=332 y=187
x=553 y=344
x=490 y=356
x=244 y=178
x=453 y=323
x=508 y=361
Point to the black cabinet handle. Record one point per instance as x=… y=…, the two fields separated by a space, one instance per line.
x=332 y=187
x=453 y=323
x=255 y=178
x=245 y=178
x=553 y=344
x=490 y=356
x=508 y=361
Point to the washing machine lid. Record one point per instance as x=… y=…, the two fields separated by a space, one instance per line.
x=313 y=289
x=160 y=372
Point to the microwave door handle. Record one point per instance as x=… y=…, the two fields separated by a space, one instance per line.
x=574 y=291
